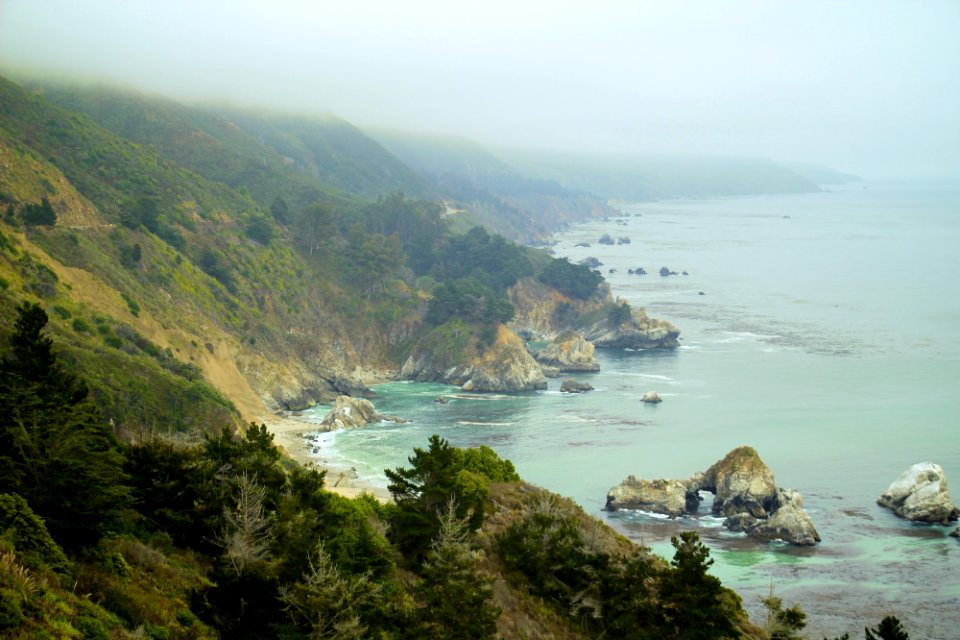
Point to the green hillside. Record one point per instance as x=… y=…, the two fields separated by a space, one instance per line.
x=300 y=159
x=277 y=304
x=483 y=189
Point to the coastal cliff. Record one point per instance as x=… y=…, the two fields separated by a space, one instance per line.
x=503 y=365
x=543 y=313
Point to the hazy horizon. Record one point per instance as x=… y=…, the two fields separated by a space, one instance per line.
x=864 y=87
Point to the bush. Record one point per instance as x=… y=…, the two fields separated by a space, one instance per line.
x=28 y=534
x=39 y=214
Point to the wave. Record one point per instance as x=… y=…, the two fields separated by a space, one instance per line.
x=483 y=424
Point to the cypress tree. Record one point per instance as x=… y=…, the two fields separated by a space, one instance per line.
x=55 y=449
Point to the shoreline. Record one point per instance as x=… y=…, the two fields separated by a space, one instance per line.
x=288 y=435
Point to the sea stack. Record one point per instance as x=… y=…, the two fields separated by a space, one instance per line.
x=920 y=495
x=744 y=492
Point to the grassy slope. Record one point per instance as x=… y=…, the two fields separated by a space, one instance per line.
x=300 y=159
x=274 y=316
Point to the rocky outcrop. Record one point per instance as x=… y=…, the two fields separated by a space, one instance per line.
x=504 y=366
x=572 y=386
x=789 y=524
x=740 y=483
x=920 y=494
x=350 y=412
x=568 y=352
x=669 y=497
x=638 y=331
x=651 y=397
x=744 y=492
x=550 y=372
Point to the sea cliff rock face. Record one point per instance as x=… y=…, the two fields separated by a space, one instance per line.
x=503 y=367
x=639 y=331
x=744 y=491
x=569 y=352
x=920 y=494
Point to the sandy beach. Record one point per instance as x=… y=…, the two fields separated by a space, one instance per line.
x=288 y=435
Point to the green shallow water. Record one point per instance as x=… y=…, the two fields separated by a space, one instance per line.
x=826 y=338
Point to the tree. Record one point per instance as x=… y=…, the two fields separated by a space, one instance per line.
x=39 y=214
x=888 y=629
x=422 y=491
x=259 y=229
x=374 y=258
x=280 y=210
x=693 y=600
x=454 y=597
x=575 y=280
x=619 y=314
x=468 y=300
x=247 y=531
x=782 y=624
x=316 y=226
x=329 y=602
x=55 y=448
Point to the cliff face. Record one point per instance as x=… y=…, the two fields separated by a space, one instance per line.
x=639 y=331
x=542 y=313
x=502 y=366
x=569 y=352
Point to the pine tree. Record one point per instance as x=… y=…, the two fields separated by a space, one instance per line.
x=692 y=598
x=455 y=598
x=888 y=629
x=55 y=449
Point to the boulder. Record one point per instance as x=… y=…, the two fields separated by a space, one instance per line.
x=638 y=331
x=350 y=412
x=955 y=533
x=920 y=494
x=669 y=497
x=569 y=351
x=651 y=397
x=572 y=386
x=791 y=524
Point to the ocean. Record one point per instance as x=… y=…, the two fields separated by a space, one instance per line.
x=821 y=329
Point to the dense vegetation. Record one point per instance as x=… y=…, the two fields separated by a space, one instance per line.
x=224 y=539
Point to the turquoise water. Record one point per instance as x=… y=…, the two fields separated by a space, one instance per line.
x=826 y=338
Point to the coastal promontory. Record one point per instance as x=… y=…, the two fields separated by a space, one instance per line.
x=501 y=365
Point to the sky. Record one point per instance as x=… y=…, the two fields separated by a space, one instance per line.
x=871 y=87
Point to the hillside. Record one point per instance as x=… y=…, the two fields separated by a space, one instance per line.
x=154 y=250
x=485 y=190
x=659 y=177
x=298 y=158
x=210 y=275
